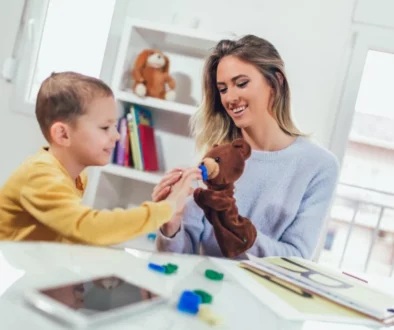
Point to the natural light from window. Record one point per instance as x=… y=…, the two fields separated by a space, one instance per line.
x=375 y=95
x=363 y=209
x=74 y=38
x=374 y=117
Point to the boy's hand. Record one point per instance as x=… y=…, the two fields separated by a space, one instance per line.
x=163 y=188
x=177 y=197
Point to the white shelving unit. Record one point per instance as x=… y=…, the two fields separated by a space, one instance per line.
x=116 y=186
x=129 y=97
x=133 y=174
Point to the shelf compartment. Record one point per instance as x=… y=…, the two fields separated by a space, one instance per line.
x=131 y=173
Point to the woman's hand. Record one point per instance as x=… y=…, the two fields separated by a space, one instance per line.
x=175 y=188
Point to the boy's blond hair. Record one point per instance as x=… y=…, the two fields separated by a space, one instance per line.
x=64 y=96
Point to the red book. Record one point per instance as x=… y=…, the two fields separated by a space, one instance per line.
x=148 y=148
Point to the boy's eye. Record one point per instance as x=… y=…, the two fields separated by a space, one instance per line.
x=105 y=128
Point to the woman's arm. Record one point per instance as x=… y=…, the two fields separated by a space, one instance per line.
x=187 y=239
x=301 y=237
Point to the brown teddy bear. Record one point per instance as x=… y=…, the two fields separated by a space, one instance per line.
x=221 y=167
x=150 y=75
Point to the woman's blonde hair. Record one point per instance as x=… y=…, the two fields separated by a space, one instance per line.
x=211 y=124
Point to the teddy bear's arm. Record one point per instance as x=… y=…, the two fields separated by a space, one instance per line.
x=137 y=76
x=212 y=199
x=170 y=81
x=219 y=201
x=198 y=197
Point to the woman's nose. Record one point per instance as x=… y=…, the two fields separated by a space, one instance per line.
x=232 y=97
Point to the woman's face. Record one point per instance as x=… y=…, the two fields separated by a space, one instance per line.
x=244 y=92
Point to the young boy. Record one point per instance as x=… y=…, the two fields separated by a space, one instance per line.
x=42 y=198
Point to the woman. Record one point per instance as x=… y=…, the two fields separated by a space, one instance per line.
x=288 y=181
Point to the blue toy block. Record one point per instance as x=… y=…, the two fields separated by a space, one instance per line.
x=189 y=302
x=151 y=236
x=157 y=268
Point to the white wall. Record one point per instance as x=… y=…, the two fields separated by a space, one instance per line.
x=19 y=135
x=311 y=36
x=375 y=12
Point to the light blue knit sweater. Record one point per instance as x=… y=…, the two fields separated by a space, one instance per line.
x=285 y=193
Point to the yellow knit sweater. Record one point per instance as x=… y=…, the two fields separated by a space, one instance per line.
x=40 y=201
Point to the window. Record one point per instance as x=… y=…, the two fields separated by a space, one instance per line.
x=364 y=203
x=61 y=35
x=374 y=116
x=73 y=38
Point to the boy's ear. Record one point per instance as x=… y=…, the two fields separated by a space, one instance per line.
x=60 y=134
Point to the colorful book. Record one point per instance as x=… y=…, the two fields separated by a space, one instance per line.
x=115 y=152
x=147 y=138
x=148 y=146
x=122 y=145
x=142 y=139
x=134 y=140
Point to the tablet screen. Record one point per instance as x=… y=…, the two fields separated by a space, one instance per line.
x=98 y=295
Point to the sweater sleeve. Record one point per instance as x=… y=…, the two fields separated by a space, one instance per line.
x=187 y=239
x=301 y=236
x=52 y=200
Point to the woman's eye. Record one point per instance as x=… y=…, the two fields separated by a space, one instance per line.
x=222 y=90
x=243 y=84
x=217 y=160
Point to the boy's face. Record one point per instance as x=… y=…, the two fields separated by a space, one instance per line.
x=94 y=136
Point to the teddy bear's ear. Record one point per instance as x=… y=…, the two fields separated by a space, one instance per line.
x=166 y=67
x=243 y=147
x=141 y=59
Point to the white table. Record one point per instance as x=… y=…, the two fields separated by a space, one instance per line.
x=242 y=306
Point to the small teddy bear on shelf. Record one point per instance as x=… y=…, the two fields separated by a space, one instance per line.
x=221 y=167
x=150 y=75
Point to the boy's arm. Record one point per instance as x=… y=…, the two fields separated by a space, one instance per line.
x=50 y=198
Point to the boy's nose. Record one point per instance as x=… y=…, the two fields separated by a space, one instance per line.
x=117 y=136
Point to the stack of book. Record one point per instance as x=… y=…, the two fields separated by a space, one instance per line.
x=321 y=293
x=136 y=146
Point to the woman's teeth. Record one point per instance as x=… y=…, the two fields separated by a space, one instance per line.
x=239 y=109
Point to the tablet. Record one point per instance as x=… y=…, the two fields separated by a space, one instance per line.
x=86 y=303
